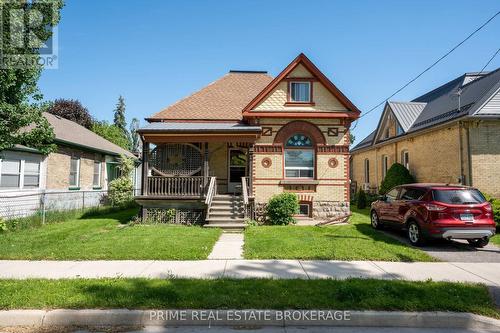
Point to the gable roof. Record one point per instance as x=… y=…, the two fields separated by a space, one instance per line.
x=441 y=104
x=301 y=59
x=221 y=100
x=71 y=133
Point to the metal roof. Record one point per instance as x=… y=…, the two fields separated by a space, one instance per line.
x=406 y=112
x=439 y=105
x=177 y=127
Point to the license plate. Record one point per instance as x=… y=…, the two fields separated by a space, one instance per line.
x=467 y=217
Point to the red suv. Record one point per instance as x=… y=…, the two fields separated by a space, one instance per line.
x=436 y=211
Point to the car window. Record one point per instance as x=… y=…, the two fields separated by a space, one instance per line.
x=412 y=193
x=392 y=195
x=458 y=196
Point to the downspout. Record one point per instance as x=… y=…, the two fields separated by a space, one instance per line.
x=460 y=153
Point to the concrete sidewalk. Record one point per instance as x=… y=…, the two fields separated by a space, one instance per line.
x=488 y=274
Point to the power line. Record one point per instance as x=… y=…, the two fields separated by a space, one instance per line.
x=491 y=59
x=429 y=67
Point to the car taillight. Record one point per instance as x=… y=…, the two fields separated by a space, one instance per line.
x=488 y=208
x=434 y=207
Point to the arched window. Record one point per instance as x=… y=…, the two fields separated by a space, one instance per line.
x=299 y=157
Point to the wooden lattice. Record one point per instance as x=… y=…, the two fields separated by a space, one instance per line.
x=182 y=216
x=181 y=159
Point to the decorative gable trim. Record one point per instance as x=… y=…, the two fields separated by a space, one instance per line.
x=318 y=75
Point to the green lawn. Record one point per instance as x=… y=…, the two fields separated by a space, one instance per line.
x=356 y=241
x=108 y=237
x=496 y=239
x=354 y=294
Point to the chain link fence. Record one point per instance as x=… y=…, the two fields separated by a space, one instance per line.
x=16 y=205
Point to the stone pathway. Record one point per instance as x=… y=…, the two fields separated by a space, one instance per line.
x=229 y=246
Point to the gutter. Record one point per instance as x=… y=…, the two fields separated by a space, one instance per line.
x=84 y=147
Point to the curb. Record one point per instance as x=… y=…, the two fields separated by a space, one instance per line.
x=285 y=318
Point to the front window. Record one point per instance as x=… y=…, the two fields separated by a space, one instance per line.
x=299 y=157
x=405 y=159
x=367 y=170
x=74 y=172
x=11 y=174
x=385 y=164
x=392 y=195
x=300 y=92
x=31 y=178
x=97 y=174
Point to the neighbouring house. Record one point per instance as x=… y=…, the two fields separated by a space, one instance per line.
x=76 y=175
x=219 y=154
x=448 y=135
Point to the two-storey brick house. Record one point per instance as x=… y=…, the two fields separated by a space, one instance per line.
x=245 y=138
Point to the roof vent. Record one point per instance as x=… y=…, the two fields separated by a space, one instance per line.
x=247 y=72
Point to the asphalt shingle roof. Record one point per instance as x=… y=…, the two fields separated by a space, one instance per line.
x=223 y=99
x=176 y=127
x=67 y=131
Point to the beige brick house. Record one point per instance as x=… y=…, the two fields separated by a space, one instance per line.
x=221 y=153
x=83 y=162
x=448 y=135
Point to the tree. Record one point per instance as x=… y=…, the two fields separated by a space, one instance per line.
x=111 y=133
x=134 y=136
x=73 y=110
x=352 y=138
x=21 y=111
x=119 y=120
x=361 y=200
x=396 y=175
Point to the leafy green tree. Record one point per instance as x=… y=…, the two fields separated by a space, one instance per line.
x=73 y=110
x=134 y=136
x=352 y=138
x=119 y=119
x=21 y=118
x=111 y=133
x=396 y=175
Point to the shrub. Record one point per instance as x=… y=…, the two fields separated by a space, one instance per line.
x=121 y=189
x=361 y=202
x=396 y=175
x=282 y=207
x=495 y=204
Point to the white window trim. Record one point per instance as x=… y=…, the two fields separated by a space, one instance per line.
x=308 y=209
x=77 y=173
x=100 y=175
x=22 y=173
x=290 y=90
x=299 y=168
x=405 y=159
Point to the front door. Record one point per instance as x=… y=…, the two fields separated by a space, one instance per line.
x=237 y=168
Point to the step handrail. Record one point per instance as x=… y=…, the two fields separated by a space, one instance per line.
x=212 y=190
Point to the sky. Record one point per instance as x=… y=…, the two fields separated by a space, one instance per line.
x=154 y=52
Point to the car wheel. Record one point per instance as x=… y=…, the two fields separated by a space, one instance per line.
x=479 y=242
x=414 y=234
x=376 y=224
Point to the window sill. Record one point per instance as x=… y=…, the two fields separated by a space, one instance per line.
x=97 y=188
x=300 y=104
x=299 y=181
x=74 y=188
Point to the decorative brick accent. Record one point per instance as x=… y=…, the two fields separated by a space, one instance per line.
x=324 y=149
x=300 y=126
x=267 y=162
x=333 y=162
x=268 y=149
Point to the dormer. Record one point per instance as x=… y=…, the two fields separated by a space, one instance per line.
x=397 y=119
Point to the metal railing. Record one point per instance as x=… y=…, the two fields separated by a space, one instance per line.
x=18 y=204
x=176 y=186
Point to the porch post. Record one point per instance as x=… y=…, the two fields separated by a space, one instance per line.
x=145 y=167
x=205 y=163
x=250 y=170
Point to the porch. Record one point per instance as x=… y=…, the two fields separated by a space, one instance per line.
x=208 y=174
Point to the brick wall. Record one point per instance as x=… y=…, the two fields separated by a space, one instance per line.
x=58 y=166
x=433 y=156
x=485 y=156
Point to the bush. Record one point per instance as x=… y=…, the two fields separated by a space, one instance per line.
x=282 y=207
x=396 y=175
x=121 y=189
x=361 y=202
x=495 y=204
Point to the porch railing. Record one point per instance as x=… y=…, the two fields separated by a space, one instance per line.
x=212 y=191
x=176 y=186
x=248 y=203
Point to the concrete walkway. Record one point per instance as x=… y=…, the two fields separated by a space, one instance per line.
x=229 y=246
x=488 y=274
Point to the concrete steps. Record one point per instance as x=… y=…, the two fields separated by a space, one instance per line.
x=226 y=212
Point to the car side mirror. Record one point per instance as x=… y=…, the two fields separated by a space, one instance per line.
x=382 y=198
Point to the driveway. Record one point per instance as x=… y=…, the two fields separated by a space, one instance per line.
x=454 y=250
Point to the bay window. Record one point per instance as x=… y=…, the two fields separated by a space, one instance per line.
x=299 y=157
